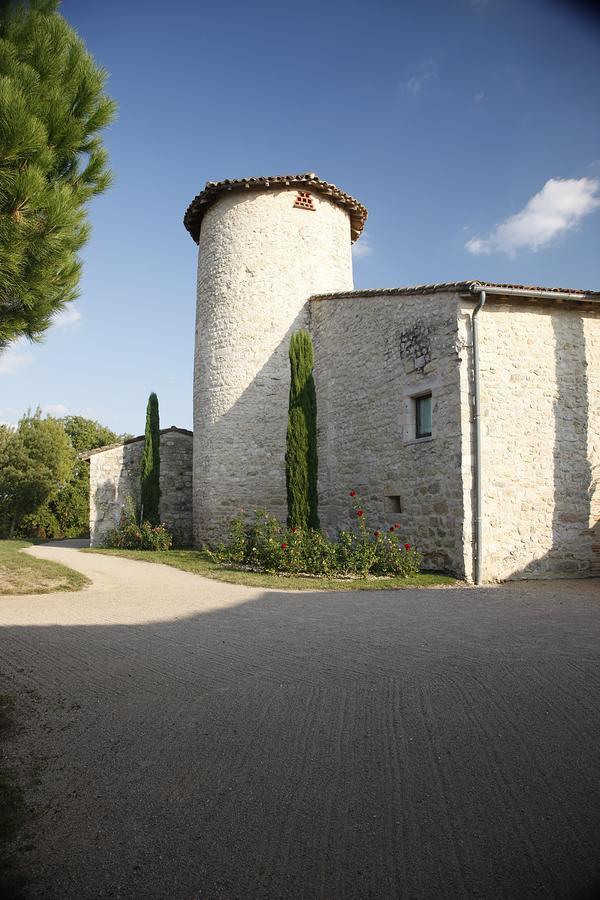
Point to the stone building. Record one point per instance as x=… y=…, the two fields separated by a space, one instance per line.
x=115 y=478
x=469 y=412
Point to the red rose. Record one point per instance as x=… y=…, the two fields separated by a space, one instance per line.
x=284 y=546
x=353 y=493
x=359 y=512
x=376 y=533
x=407 y=546
x=392 y=528
x=397 y=525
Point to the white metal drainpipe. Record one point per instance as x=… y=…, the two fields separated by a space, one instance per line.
x=478 y=473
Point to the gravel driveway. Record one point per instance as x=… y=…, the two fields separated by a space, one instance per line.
x=201 y=740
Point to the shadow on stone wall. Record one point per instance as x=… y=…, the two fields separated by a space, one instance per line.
x=575 y=526
x=111 y=493
x=255 y=469
x=241 y=454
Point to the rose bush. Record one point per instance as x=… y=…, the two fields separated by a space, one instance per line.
x=266 y=544
x=133 y=536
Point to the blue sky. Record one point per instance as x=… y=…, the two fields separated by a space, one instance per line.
x=469 y=129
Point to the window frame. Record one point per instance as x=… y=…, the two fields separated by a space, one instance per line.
x=418 y=400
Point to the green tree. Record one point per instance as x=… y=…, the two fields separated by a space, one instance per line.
x=36 y=460
x=150 y=498
x=301 y=463
x=70 y=507
x=52 y=110
x=87 y=434
x=64 y=511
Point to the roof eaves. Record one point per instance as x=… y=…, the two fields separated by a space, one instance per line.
x=469 y=287
x=199 y=205
x=133 y=440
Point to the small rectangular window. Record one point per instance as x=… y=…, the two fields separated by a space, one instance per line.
x=391 y=503
x=423 y=416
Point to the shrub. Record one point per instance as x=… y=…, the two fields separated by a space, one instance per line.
x=268 y=545
x=133 y=536
x=146 y=536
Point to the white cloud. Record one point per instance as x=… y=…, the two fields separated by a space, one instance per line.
x=55 y=409
x=478 y=97
x=362 y=248
x=16 y=356
x=426 y=71
x=69 y=317
x=559 y=207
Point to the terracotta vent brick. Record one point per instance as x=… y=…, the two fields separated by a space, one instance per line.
x=304 y=201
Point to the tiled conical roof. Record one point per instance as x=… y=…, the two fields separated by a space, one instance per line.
x=213 y=189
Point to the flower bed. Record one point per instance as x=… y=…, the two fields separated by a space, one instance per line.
x=266 y=545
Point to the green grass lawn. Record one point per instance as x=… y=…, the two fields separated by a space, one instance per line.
x=201 y=563
x=24 y=574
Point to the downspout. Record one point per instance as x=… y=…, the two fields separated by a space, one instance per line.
x=478 y=467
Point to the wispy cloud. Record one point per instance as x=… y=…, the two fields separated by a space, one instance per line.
x=55 y=409
x=16 y=356
x=427 y=71
x=478 y=96
x=362 y=248
x=69 y=317
x=558 y=208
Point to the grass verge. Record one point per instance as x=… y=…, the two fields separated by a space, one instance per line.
x=12 y=816
x=201 y=563
x=24 y=574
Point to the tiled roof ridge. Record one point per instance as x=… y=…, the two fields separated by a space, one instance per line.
x=437 y=287
x=197 y=208
x=133 y=440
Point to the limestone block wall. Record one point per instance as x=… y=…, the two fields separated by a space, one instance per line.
x=374 y=355
x=176 y=499
x=115 y=476
x=260 y=258
x=540 y=396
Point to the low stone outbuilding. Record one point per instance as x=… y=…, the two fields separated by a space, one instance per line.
x=115 y=477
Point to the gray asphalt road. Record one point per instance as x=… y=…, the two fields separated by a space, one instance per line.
x=201 y=740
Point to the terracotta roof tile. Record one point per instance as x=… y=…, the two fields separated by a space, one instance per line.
x=459 y=287
x=213 y=189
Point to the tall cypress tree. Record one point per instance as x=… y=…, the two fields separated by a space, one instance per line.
x=301 y=448
x=52 y=162
x=151 y=464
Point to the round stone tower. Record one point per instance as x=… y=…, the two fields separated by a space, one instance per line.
x=266 y=245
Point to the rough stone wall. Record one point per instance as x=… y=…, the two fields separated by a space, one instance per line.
x=260 y=259
x=176 y=485
x=540 y=406
x=115 y=476
x=373 y=355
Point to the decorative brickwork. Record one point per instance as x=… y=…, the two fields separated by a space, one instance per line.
x=304 y=201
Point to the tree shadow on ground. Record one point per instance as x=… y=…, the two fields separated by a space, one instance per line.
x=435 y=743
